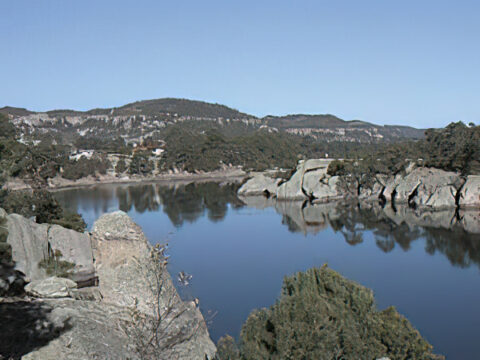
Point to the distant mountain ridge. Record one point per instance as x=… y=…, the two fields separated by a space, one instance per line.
x=149 y=118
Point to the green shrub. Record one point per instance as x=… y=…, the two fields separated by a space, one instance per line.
x=121 y=166
x=7 y=129
x=5 y=248
x=55 y=266
x=141 y=164
x=336 y=168
x=41 y=205
x=322 y=315
x=227 y=349
x=74 y=170
x=454 y=148
x=38 y=203
x=71 y=220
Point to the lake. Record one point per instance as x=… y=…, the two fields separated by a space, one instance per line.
x=239 y=250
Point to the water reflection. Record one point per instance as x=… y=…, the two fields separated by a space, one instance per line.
x=181 y=202
x=454 y=234
x=449 y=232
x=239 y=250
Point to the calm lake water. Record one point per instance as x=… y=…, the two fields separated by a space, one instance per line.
x=238 y=252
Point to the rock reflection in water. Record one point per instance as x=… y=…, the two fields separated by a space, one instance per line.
x=454 y=234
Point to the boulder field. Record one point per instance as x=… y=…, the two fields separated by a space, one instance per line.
x=419 y=187
x=104 y=295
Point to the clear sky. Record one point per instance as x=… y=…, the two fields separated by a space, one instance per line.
x=388 y=62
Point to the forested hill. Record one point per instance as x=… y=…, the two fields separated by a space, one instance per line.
x=150 y=118
x=323 y=125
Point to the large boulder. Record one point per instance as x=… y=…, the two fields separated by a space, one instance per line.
x=321 y=187
x=119 y=246
x=130 y=275
x=390 y=188
x=75 y=248
x=428 y=187
x=470 y=193
x=134 y=303
x=52 y=287
x=70 y=330
x=38 y=248
x=11 y=280
x=259 y=184
x=293 y=189
x=29 y=246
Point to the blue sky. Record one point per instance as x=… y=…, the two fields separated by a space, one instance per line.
x=388 y=62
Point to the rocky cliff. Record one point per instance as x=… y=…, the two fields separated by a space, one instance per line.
x=132 y=311
x=421 y=187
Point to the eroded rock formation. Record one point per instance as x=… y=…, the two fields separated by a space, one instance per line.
x=133 y=313
x=421 y=187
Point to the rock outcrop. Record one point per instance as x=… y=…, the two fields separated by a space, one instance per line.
x=135 y=299
x=128 y=277
x=259 y=184
x=294 y=189
x=52 y=287
x=426 y=187
x=320 y=187
x=36 y=246
x=470 y=193
x=420 y=187
x=309 y=181
x=11 y=280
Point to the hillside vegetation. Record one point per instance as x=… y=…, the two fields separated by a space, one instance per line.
x=454 y=148
x=150 y=118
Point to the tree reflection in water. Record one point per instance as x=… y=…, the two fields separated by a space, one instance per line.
x=443 y=231
x=182 y=203
x=452 y=233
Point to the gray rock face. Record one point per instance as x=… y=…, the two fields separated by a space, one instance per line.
x=389 y=191
x=52 y=287
x=292 y=189
x=428 y=187
x=424 y=187
x=11 y=280
x=119 y=247
x=29 y=245
x=310 y=173
x=75 y=248
x=259 y=185
x=33 y=243
x=86 y=330
x=321 y=187
x=131 y=300
x=470 y=193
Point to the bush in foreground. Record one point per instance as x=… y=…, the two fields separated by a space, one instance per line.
x=322 y=315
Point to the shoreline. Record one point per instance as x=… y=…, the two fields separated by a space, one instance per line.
x=58 y=183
